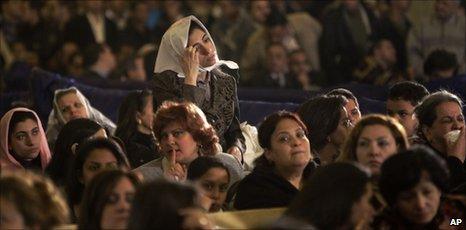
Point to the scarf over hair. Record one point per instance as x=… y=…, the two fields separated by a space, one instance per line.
x=56 y=120
x=7 y=161
x=173 y=44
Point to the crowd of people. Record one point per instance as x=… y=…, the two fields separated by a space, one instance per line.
x=177 y=151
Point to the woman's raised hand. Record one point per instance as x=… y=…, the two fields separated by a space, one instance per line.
x=175 y=171
x=190 y=64
x=457 y=148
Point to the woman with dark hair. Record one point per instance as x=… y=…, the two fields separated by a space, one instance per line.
x=69 y=104
x=188 y=68
x=106 y=202
x=328 y=123
x=442 y=126
x=23 y=144
x=183 y=134
x=280 y=170
x=30 y=201
x=92 y=157
x=213 y=178
x=352 y=106
x=412 y=182
x=70 y=137
x=134 y=127
x=166 y=204
x=337 y=196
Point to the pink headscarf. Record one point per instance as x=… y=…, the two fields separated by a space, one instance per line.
x=7 y=161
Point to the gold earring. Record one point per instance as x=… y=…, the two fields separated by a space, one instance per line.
x=139 y=121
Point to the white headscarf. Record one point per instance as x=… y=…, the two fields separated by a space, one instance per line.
x=173 y=44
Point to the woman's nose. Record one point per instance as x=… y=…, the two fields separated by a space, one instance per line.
x=374 y=149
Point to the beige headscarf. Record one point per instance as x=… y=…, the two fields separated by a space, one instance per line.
x=173 y=44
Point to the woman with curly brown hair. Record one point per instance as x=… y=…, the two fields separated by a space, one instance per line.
x=183 y=134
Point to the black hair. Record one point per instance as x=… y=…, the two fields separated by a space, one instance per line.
x=408 y=91
x=202 y=164
x=194 y=25
x=321 y=115
x=426 y=112
x=74 y=188
x=345 y=93
x=91 y=54
x=328 y=196
x=96 y=195
x=158 y=204
x=439 y=60
x=74 y=132
x=17 y=117
x=404 y=170
x=276 y=18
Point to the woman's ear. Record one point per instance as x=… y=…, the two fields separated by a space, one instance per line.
x=268 y=155
x=74 y=147
x=427 y=133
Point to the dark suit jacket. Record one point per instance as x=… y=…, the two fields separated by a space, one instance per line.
x=79 y=31
x=222 y=111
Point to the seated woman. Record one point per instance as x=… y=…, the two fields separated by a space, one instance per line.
x=183 y=134
x=134 y=127
x=70 y=137
x=23 y=144
x=212 y=177
x=352 y=107
x=106 y=202
x=169 y=204
x=328 y=123
x=92 y=157
x=69 y=104
x=413 y=182
x=440 y=116
x=188 y=68
x=280 y=171
x=30 y=201
x=337 y=196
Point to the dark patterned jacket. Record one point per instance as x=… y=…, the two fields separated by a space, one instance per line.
x=222 y=110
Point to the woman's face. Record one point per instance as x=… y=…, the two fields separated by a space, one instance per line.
x=147 y=115
x=419 y=204
x=71 y=107
x=175 y=137
x=449 y=118
x=290 y=147
x=214 y=184
x=344 y=127
x=11 y=219
x=354 y=114
x=204 y=46
x=362 y=211
x=97 y=161
x=115 y=213
x=375 y=144
x=25 y=139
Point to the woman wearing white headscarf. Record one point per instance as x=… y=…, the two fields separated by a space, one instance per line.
x=69 y=104
x=188 y=68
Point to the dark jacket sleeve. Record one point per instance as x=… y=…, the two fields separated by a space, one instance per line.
x=234 y=135
x=457 y=172
x=167 y=86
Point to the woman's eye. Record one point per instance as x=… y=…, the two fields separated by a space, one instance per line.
x=301 y=134
x=224 y=188
x=35 y=132
x=93 y=167
x=362 y=143
x=78 y=105
x=284 y=139
x=447 y=120
x=112 y=165
x=129 y=197
x=207 y=186
x=112 y=199
x=403 y=114
x=382 y=143
x=178 y=133
x=21 y=137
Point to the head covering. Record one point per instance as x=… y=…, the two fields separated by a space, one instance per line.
x=56 y=120
x=7 y=161
x=173 y=44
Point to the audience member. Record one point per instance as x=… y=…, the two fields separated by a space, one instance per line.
x=281 y=170
x=337 y=196
x=92 y=157
x=328 y=124
x=379 y=66
x=440 y=64
x=99 y=62
x=134 y=69
x=441 y=124
x=413 y=182
x=107 y=201
x=30 y=201
x=347 y=28
x=23 y=142
x=212 y=177
x=302 y=71
x=69 y=104
x=137 y=34
x=168 y=204
x=352 y=107
x=70 y=137
x=197 y=77
x=402 y=98
x=424 y=37
x=135 y=122
x=183 y=134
